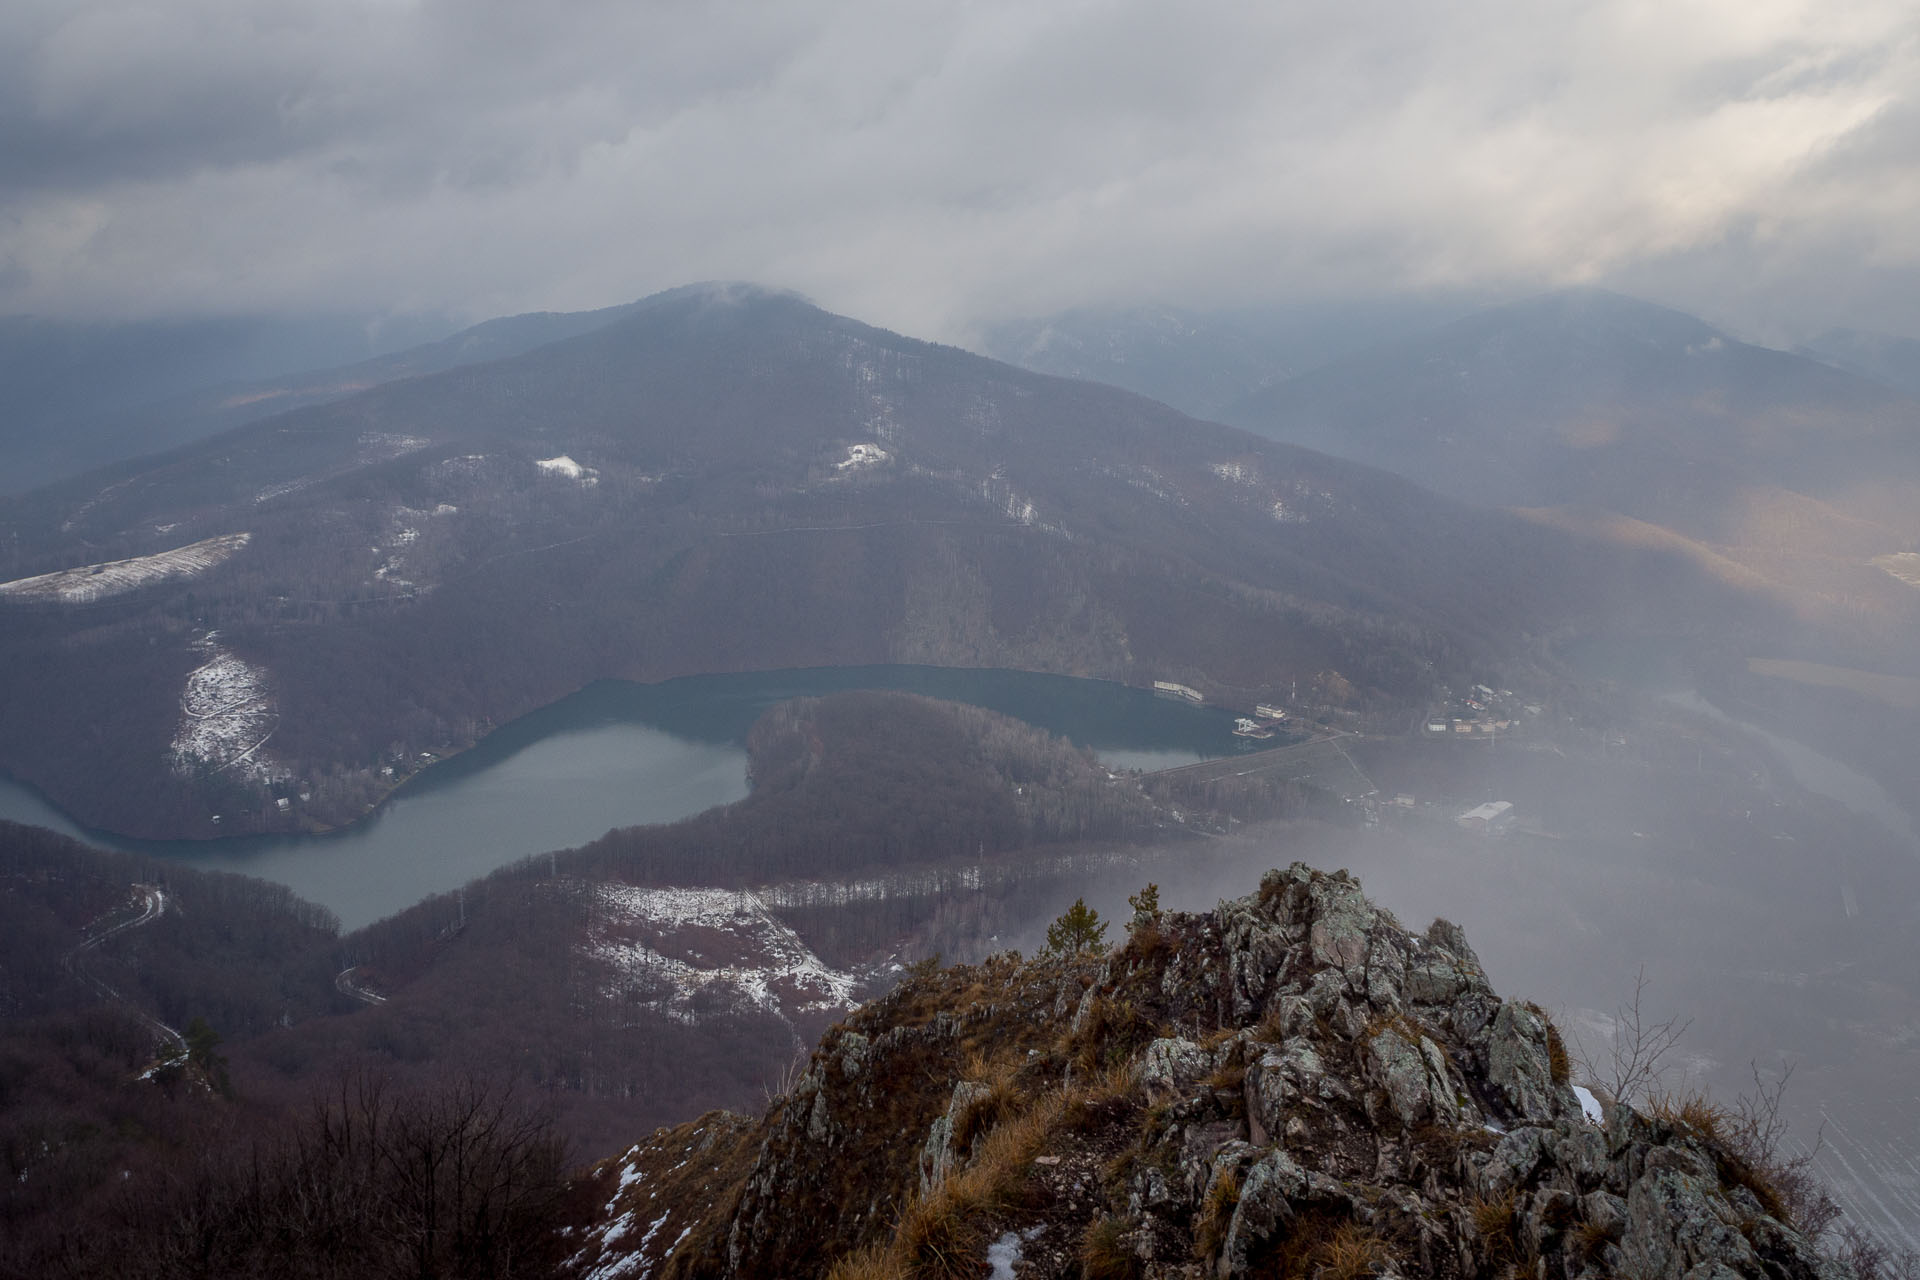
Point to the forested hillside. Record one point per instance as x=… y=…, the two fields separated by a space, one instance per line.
x=649 y=976
x=723 y=480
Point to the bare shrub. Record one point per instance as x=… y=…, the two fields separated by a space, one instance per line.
x=1636 y=1058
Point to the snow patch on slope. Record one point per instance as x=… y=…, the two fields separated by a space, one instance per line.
x=92 y=582
x=863 y=457
x=1903 y=565
x=227 y=713
x=567 y=469
x=667 y=946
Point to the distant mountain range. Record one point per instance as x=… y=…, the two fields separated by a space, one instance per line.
x=1637 y=424
x=1204 y=362
x=1882 y=357
x=82 y=396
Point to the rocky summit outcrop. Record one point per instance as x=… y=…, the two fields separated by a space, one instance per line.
x=1290 y=1085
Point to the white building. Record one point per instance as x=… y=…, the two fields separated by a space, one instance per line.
x=1488 y=819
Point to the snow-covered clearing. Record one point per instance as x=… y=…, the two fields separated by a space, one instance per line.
x=1903 y=565
x=863 y=457
x=226 y=716
x=383 y=446
x=567 y=469
x=94 y=582
x=668 y=945
x=1237 y=472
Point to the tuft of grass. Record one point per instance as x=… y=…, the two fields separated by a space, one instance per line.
x=1147 y=944
x=1214 y=1039
x=1352 y=1251
x=1104 y=1254
x=939 y=1236
x=1231 y=1076
x=1114 y=1031
x=1559 y=1063
x=1003 y=1098
x=1216 y=1215
x=1740 y=1156
x=1494 y=1220
x=1589 y=1238
x=875 y=1262
x=936 y=1241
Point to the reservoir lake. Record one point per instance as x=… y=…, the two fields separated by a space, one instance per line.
x=617 y=754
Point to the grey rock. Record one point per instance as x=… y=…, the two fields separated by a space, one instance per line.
x=1170 y=1067
x=1580 y=1150
x=1605 y=1211
x=817 y=1125
x=1517 y=1062
x=1516 y=1160
x=1675 y=1223
x=853 y=1051
x=1414 y=1075
x=1266 y=1196
x=937 y=1155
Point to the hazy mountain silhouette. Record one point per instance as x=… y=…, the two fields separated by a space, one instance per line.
x=87 y=395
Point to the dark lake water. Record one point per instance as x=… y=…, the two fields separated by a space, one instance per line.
x=617 y=754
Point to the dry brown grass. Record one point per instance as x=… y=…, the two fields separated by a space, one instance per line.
x=1352 y=1251
x=1216 y=1215
x=1321 y=1244
x=1147 y=944
x=1559 y=1061
x=1228 y=1076
x=875 y=1262
x=1000 y=1074
x=1493 y=1219
x=1589 y=1238
x=1737 y=1156
x=1104 y=1254
x=1114 y=1030
x=939 y=1234
x=1214 y=1039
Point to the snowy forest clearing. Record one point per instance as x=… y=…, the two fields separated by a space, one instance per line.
x=667 y=945
x=92 y=582
x=226 y=716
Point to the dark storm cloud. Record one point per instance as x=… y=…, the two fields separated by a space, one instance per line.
x=930 y=164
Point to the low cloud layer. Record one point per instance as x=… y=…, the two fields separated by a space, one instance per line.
x=932 y=165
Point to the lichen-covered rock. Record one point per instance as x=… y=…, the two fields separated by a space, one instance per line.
x=1519 y=1062
x=1291 y=1084
x=1413 y=1071
x=938 y=1156
x=1171 y=1066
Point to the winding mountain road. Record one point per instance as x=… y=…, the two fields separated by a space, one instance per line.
x=343 y=983
x=152 y=901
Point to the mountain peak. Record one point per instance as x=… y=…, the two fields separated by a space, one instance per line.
x=1287 y=1081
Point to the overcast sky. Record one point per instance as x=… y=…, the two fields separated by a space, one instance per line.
x=928 y=166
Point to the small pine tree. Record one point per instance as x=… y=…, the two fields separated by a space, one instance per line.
x=1078 y=929
x=202 y=1040
x=1146 y=905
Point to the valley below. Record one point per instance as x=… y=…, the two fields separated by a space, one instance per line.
x=615 y=717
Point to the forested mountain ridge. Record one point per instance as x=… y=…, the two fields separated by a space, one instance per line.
x=725 y=479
